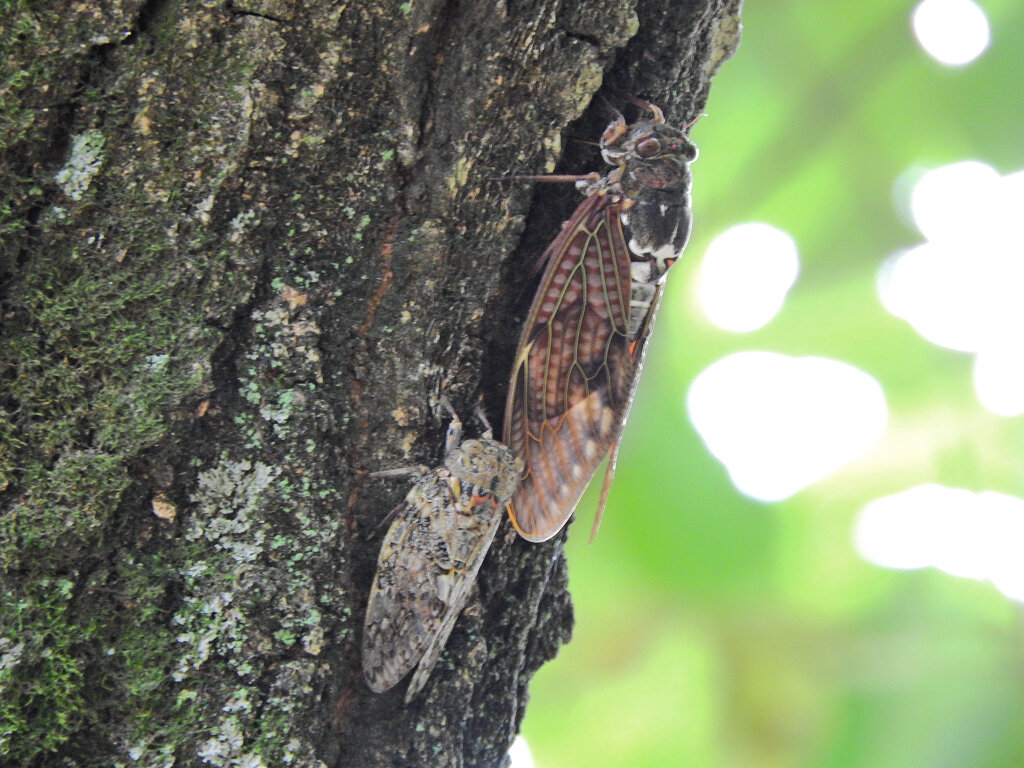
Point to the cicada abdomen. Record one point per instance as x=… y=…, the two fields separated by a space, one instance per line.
x=582 y=347
x=431 y=555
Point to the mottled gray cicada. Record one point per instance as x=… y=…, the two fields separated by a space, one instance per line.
x=432 y=553
x=583 y=344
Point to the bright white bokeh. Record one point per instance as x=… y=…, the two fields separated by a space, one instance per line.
x=999 y=378
x=963 y=533
x=780 y=423
x=519 y=754
x=953 y=32
x=955 y=201
x=963 y=287
x=745 y=276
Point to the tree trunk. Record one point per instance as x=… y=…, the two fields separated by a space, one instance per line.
x=245 y=246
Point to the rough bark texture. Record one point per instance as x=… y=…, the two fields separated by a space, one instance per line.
x=244 y=245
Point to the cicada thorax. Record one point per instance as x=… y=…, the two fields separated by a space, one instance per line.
x=653 y=179
x=486 y=465
x=430 y=556
x=583 y=343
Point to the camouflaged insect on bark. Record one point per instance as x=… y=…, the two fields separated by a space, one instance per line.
x=583 y=344
x=431 y=555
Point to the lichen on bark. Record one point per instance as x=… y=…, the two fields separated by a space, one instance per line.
x=243 y=248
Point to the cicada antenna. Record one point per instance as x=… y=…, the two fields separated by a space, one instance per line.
x=581 y=140
x=559 y=177
x=693 y=122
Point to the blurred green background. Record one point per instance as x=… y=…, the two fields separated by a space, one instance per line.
x=718 y=631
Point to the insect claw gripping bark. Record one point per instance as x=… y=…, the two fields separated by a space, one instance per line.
x=431 y=554
x=582 y=347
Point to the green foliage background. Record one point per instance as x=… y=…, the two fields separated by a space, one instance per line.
x=717 y=631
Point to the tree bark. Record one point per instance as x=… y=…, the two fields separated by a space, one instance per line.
x=245 y=246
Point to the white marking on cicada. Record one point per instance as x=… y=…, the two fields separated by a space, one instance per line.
x=665 y=252
x=640 y=272
x=431 y=554
x=675 y=234
x=642 y=294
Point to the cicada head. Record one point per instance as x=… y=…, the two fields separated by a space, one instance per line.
x=646 y=140
x=652 y=156
x=486 y=463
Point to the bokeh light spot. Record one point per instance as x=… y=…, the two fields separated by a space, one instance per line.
x=999 y=378
x=962 y=288
x=780 y=423
x=745 y=276
x=951 y=202
x=519 y=753
x=963 y=533
x=953 y=32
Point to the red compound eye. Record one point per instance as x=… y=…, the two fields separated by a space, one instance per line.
x=648 y=147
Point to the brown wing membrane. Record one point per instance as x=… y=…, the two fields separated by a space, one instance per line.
x=573 y=373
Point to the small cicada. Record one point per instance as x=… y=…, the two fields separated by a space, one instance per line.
x=582 y=347
x=432 y=553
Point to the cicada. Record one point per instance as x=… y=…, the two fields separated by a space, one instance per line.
x=583 y=344
x=432 y=553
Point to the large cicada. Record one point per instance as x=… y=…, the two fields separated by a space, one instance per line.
x=582 y=347
x=432 y=553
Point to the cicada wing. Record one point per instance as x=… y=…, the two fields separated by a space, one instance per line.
x=402 y=612
x=573 y=372
x=429 y=558
x=455 y=587
x=637 y=353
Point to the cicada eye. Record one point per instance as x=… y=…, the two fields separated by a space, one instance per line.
x=648 y=147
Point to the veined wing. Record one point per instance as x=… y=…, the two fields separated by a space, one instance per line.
x=428 y=561
x=574 y=369
x=453 y=587
x=403 y=613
